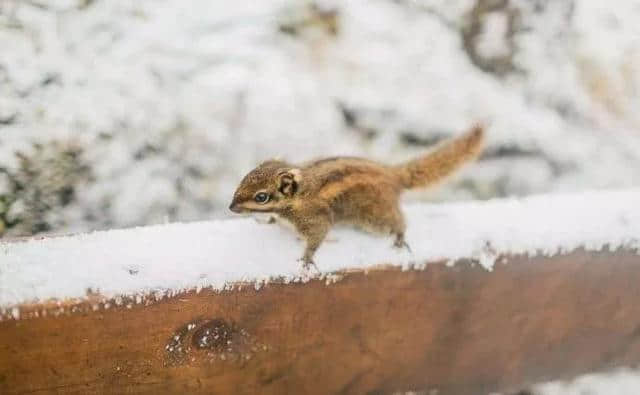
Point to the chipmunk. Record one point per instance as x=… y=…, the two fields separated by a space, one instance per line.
x=356 y=191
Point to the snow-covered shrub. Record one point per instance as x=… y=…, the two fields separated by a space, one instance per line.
x=44 y=181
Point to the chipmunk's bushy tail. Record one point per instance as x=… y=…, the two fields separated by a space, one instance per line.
x=443 y=161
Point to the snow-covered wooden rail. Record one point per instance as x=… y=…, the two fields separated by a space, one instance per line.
x=512 y=292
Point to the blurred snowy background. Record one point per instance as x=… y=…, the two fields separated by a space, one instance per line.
x=122 y=113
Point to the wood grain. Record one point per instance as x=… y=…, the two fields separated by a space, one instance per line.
x=460 y=330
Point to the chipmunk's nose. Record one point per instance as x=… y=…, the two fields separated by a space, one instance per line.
x=234 y=207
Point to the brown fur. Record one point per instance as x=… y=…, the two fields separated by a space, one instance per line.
x=348 y=190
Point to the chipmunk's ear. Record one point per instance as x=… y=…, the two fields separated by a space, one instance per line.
x=288 y=181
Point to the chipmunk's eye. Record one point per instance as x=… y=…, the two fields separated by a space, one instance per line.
x=261 y=197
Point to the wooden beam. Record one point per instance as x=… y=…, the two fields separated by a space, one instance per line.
x=456 y=329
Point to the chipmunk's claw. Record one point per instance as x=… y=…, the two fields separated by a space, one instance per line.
x=308 y=263
x=401 y=243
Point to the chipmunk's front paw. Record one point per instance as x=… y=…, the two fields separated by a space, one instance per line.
x=401 y=243
x=266 y=221
x=307 y=263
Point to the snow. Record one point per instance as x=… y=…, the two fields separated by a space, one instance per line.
x=165 y=259
x=217 y=87
x=492 y=40
x=619 y=382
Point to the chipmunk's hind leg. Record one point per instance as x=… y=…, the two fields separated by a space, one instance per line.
x=398 y=227
x=383 y=216
x=392 y=222
x=400 y=242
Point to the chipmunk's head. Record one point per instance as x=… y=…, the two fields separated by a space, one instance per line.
x=267 y=188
